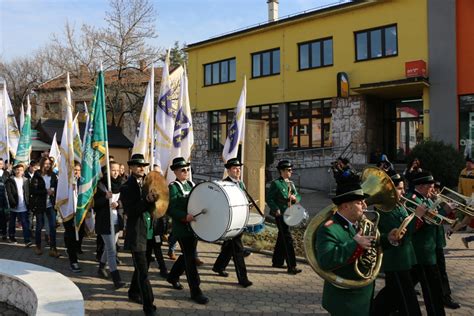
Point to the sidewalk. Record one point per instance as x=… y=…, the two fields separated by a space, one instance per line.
x=274 y=291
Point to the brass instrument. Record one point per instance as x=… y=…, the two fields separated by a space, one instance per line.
x=383 y=195
x=458 y=205
x=431 y=216
x=156 y=184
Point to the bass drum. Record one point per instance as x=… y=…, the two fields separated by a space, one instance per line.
x=221 y=210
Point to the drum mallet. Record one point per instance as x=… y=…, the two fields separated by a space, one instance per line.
x=204 y=211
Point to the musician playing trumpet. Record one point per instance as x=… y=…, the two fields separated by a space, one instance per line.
x=281 y=195
x=339 y=244
x=399 y=292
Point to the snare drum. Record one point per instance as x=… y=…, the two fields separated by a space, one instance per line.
x=295 y=215
x=221 y=210
x=255 y=224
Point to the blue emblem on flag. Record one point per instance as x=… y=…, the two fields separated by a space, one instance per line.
x=181 y=128
x=233 y=135
x=165 y=103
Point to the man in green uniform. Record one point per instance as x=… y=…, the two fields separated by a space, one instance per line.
x=338 y=245
x=233 y=248
x=177 y=209
x=281 y=195
x=399 y=293
x=424 y=242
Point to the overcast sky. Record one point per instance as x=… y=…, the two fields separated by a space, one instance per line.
x=26 y=25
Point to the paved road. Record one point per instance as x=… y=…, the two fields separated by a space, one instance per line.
x=274 y=291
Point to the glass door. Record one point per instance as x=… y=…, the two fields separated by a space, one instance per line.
x=408 y=126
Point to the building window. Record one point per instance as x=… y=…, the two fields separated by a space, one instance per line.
x=53 y=107
x=266 y=63
x=376 y=43
x=219 y=72
x=268 y=113
x=466 y=123
x=310 y=124
x=315 y=54
x=219 y=124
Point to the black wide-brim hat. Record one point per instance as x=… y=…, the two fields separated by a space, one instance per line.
x=233 y=162
x=348 y=193
x=137 y=160
x=179 y=162
x=396 y=178
x=423 y=177
x=283 y=164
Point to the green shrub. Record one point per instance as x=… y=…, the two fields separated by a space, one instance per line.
x=443 y=160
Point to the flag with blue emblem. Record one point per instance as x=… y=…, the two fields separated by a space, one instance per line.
x=94 y=151
x=164 y=121
x=24 y=144
x=9 y=132
x=183 y=136
x=236 y=133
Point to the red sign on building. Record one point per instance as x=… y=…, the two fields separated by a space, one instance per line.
x=416 y=68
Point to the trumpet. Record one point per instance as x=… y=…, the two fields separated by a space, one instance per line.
x=431 y=216
x=449 y=196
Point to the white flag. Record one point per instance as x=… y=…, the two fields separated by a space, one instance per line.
x=77 y=142
x=54 y=151
x=236 y=133
x=183 y=136
x=66 y=192
x=164 y=121
x=22 y=116
x=9 y=133
x=144 y=133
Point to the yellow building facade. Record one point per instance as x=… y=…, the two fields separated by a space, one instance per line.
x=291 y=66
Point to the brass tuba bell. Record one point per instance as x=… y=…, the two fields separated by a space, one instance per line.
x=383 y=196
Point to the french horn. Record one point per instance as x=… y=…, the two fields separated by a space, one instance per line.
x=383 y=196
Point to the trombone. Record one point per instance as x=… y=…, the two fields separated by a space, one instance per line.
x=431 y=216
x=462 y=207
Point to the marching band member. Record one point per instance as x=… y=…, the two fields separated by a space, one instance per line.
x=424 y=242
x=233 y=247
x=338 y=245
x=399 y=293
x=283 y=193
x=139 y=209
x=179 y=194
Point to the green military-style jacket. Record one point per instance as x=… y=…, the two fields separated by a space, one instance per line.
x=401 y=257
x=336 y=250
x=425 y=235
x=177 y=207
x=277 y=197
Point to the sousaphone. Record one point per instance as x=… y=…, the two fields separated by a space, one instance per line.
x=383 y=196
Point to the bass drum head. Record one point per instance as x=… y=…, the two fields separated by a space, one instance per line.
x=211 y=225
x=294 y=215
x=254 y=219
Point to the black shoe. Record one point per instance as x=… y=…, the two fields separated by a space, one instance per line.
x=75 y=268
x=450 y=303
x=221 y=273
x=294 y=270
x=200 y=299
x=247 y=253
x=135 y=299
x=279 y=266
x=176 y=285
x=4 y=238
x=12 y=240
x=246 y=283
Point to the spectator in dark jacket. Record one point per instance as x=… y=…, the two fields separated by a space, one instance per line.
x=4 y=208
x=106 y=204
x=42 y=199
x=18 y=198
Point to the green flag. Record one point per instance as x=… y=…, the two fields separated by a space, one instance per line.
x=94 y=151
x=24 y=144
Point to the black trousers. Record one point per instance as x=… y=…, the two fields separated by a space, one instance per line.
x=72 y=245
x=156 y=248
x=3 y=222
x=99 y=247
x=397 y=295
x=284 y=246
x=187 y=263
x=430 y=280
x=441 y=263
x=140 y=286
x=233 y=248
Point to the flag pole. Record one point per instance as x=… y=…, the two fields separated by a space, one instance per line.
x=6 y=117
x=152 y=123
x=242 y=154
